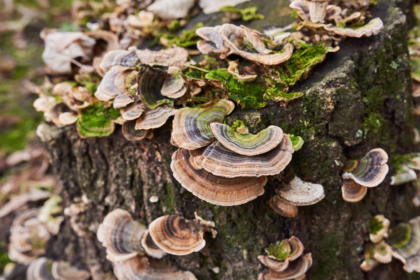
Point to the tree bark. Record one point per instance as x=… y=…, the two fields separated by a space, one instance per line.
x=357 y=100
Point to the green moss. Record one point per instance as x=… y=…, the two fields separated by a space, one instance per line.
x=186 y=39
x=18 y=136
x=92 y=122
x=301 y=63
x=279 y=250
x=245 y=14
x=249 y=95
x=238 y=124
x=374 y=226
x=168 y=202
x=277 y=94
x=297 y=142
x=372 y=124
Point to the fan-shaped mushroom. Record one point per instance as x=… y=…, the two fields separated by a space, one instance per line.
x=155 y=118
x=64 y=271
x=108 y=89
x=133 y=111
x=279 y=255
x=38 y=270
x=352 y=191
x=171 y=57
x=245 y=143
x=119 y=57
x=214 y=189
x=121 y=235
x=191 y=126
x=382 y=252
x=131 y=133
x=234 y=37
x=150 y=246
x=176 y=235
x=283 y=207
x=372 y=28
x=171 y=9
x=378 y=229
x=174 y=85
x=221 y=161
x=302 y=193
x=295 y=269
x=369 y=171
x=405 y=238
x=151 y=80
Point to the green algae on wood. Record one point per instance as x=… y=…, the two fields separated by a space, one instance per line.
x=187 y=38
x=277 y=94
x=245 y=14
x=92 y=122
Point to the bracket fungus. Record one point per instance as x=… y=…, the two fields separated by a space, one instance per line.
x=285 y=260
x=215 y=189
x=378 y=229
x=155 y=118
x=151 y=80
x=245 y=143
x=283 y=207
x=174 y=85
x=220 y=161
x=121 y=235
x=64 y=271
x=176 y=235
x=234 y=36
x=119 y=57
x=131 y=133
x=170 y=9
x=150 y=246
x=141 y=268
x=39 y=269
x=280 y=255
x=191 y=126
x=28 y=237
x=301 y=193
x=406 y=171
x=369 y=171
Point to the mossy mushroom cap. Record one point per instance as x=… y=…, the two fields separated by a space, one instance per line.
x=248 y=144
x=141 y=268
x=369 y=171
x=221 y=161
x=39 y=270
x=372 y=28
x=150 y=246
x=405 y=238
x=121 y=235
x=295 y=270
x=176 y=235
x=191 y=126
x=234 y=36
x=378 y=229
x=215 y=189
x=64 y=271
x=382 y=252
x=302 y=193
x=131 y=133
x=352 y=191
x=280 y=255
x=155 y=118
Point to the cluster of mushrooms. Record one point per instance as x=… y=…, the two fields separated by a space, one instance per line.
x=136 y=251
x=402 y=243
x=220 y=164
x=321 y=22
x=285 y=260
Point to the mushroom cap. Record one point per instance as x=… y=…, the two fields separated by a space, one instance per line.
x=403 y=175
x=131 y=133
x=352 y=191
x=108 y=89
x=212 y=43
x=221 y=161
x=141 y=268
x=150 y=246
x=119 y=57
x=405 y=238
x=283 y=207
x=413 y=161
x=174 y=85
x=234 y=37
x=334 y=12
x=371 y=170
x=64 y=271
x=155 y=118
x=378 y=235
x=176 y=235
x=212 y=6
x=255 y=39
x=121 y=235
x=415 y=68
x=38 y=270
x=317 y=10
x=301 y=8
x=150 y=82
x=302 y=193
x=248 y=144
x=125 y=81
x=191 y=126
x=412 y=264
x=372 y=28
x=50 y=214
x=169 y=9
x=57 y=110
x=92 y=123
x=133 y=111
x=295 y=269
x=382 y=252
x=67 y=118
x=297 y=248
x=122 y=100
x=172 y=57
x=215 y=189
x=233 y=69
x=274 y=264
